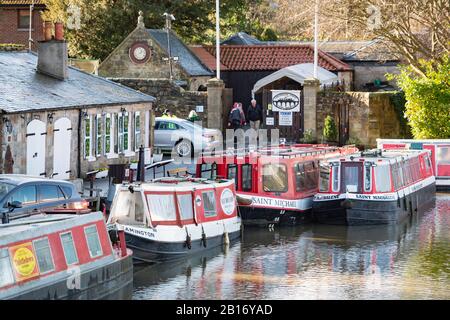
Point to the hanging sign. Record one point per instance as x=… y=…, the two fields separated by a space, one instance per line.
x=285 y=118
x=227 y=201
x=270 y=121
x=286 y=100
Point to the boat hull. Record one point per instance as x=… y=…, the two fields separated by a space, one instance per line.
x=257 y=216
x=112 y=281
x=152 y=251
x=367 y=212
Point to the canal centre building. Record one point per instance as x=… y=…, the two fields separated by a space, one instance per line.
x=58 y=121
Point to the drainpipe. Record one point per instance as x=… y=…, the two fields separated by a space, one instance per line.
x=79 y=144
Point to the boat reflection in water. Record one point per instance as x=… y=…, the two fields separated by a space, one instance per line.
x=403 y=261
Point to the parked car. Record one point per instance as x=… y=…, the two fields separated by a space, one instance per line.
x=184 y=137
x=21 y=195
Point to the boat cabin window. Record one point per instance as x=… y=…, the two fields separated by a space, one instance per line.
x=162 y=207
x=275 y=178
x=324 y=177
x=367 y=177
x=443 y=155
x=209 y=204
x=427 y=161
x=93 y=241
x=247 y=181
x=44 y=255
x=69 y=248
x=305 y=176
x=128 y=208
x=49 y=192
x=351 y=177
x=336 y=171
x=232 y=173
x=209 y=171
x=6 y=273
x=25 y=195
x=382 y=178
x=185 y=206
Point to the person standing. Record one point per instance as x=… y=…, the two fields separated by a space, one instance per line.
x=235 y=117
x=254 y=115
x=243 y=121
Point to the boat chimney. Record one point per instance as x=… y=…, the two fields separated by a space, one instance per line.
x=141 y=166
x=52 y=52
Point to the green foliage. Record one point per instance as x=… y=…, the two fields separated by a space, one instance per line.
x=428 y=99
x=307 y=137
x=106 y=23
x=398 y=100
x=329 y=129
x=268 y=35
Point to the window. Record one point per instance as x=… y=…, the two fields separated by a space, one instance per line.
x=382 y=178
x=165 y=125
x=300 y=177
x=324 y=177
x=23 y=19
x=126 y=135
x=137 y=130
x=427 y=164
x=351 y=178
x=305 y=176
x=108 y=126
x=368 y=176
x=69 y=248
x=87 y=137
x=44 y=255
x=116 y=133
x=247 y=177
x=336 y=172
x=274 y=178
x=50 y=193
x=443 y=155
x=138 y=208
x=209 y=204
x=120 y=130
x=95 y=249
x=6 y=273
x=98 y=130
x=26 y=195
x=311 y=175
x=185 y=206
x=209 y=171
x=128 y=208
x=67 y=191
x=162 y=207
x=5 y=188
x=232 y=173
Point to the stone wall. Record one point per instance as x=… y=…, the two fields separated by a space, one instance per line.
x=169 y=96
x=371 y=114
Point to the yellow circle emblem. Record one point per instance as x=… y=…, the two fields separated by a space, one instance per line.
x=24 y=261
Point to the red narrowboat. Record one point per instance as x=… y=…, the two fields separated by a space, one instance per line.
x=62 y=256
x=274 y=185
x=440 y=155
x=374 y=187
x=171 y=218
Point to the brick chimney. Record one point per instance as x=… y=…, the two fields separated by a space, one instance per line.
x=52 y=52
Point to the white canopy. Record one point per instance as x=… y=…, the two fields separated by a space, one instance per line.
x=299 y=73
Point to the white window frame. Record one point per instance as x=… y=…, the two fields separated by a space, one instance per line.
x=74 y=247
x=51 y=255
x=98 y=238
x=89 y=156
x=137 y=131
x=98 y=134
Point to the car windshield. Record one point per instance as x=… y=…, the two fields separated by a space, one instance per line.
x=5 y=188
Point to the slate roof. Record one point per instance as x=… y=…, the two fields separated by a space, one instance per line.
x=241 y=38
x=22 y=89
x=269 y=57
x=187 y=59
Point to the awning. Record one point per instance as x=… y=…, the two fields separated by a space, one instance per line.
x=298 y=73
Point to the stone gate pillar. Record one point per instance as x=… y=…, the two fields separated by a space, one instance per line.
x=215 y=104
x=310 y=89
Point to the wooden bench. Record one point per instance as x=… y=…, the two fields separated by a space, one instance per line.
x=178 y=172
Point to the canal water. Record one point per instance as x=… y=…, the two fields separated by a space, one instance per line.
x=407 y=261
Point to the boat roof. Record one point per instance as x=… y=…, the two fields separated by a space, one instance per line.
x=426 y=141
x=178 y=184
x=18 y=179
x=379 y=155
x=42 y=224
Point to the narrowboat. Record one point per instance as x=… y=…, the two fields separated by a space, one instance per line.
x=275 y=185
x=170 y=218
x=62 y=256
x=440 y=155
x=374 y=187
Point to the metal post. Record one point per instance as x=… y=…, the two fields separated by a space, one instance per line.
x=141 y=166
x=30 y=27
x=169 y=19
x=316 y=36
x=218 y=39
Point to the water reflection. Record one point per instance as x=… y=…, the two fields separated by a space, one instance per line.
x=407 y=261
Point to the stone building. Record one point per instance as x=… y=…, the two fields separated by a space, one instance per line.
x=15 y=21
x=144 y=54
x=58 y=121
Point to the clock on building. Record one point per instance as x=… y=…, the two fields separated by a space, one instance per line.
x=140 y=52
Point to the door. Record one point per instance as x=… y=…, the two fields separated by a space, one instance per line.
x=352 y=177
x=36 y=133
x=343 y=124
x=61 y=148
